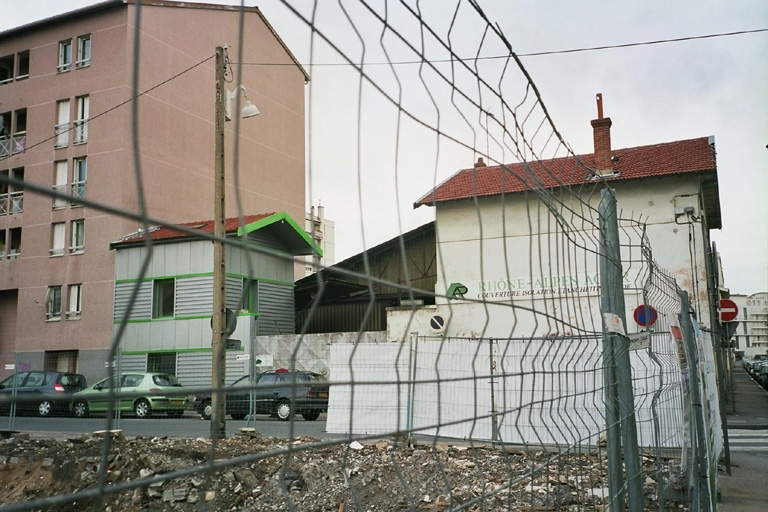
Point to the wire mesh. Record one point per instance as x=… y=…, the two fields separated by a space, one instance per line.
x=506 y=413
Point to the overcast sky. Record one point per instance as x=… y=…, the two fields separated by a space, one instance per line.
x=653 y=93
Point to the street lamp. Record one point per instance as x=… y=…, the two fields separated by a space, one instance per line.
x=219 y=320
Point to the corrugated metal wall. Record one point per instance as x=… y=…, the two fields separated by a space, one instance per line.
x=417 y=270
x=275 y=309
x=193 y=296
x=346 y=317
x=142 y=306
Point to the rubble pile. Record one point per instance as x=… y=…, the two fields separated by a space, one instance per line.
x=304 y=475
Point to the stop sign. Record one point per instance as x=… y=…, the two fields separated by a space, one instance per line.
x=728 y=310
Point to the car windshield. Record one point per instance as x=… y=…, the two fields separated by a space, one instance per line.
x=166 y=380
x=14 y=380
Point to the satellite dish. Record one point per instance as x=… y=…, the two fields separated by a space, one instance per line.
x=437 y=324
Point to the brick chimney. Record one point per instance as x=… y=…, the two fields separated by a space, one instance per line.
x=602 y=135
x=479 y=163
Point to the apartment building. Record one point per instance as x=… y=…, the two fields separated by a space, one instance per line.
x=82 y=153
x=751 y=336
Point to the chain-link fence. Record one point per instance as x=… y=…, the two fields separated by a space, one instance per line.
x=525 y=391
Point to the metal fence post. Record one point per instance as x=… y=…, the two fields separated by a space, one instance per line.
x=702 y=486
x=616 y=365
x=494 y=419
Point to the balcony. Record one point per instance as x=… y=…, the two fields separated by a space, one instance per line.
x=58 y=202
x=78 y=193
x=81 y=131
x=11 y=203
x=19 y=142
x=61 y=135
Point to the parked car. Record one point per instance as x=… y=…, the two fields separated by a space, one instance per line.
x=273 y=393
x=42 y=393
x=762 y=376
x=755 y=367
x=149 y=393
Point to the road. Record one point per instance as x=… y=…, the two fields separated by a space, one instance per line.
x=189 y=426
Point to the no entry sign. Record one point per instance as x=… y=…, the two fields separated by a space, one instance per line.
x=728 y=310
x=645 y=316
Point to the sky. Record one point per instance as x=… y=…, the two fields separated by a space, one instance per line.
x=367 y=178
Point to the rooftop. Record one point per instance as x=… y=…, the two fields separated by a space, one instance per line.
x=693 y=156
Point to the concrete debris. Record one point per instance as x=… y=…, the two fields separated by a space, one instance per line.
x=245 y=474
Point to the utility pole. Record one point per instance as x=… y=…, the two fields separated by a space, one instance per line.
x=218 y=321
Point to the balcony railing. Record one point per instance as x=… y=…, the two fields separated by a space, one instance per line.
x=61 y=134
x=78 y=192
x=59 y=202
x=81 y=131
x=19 y=142
x=11 y=203
x=5 y=145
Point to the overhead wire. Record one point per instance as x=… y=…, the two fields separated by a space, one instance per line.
x=115 y=107
x=530 y=54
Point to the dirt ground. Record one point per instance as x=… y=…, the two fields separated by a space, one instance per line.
x=255 y=473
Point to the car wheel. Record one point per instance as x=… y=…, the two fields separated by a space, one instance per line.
x=207 y=411
x=44 y=408
x=142 y=409
x=80 y=409
x=284 y=410
x=310 y=416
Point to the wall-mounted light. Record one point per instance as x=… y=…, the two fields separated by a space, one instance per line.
x=249 y=110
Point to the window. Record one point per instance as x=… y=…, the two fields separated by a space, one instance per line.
x=22 y=69
x=78 y=236
x=250 y=295
x=14 y=66
x=17 y=191
x=83 y=51
x=12 y=195
x=5 y=134
x=53 y=303
x=75 y=299
x=65 y=56
x=163 y=298
x=60 y=183
x=13 y=132
x=20 y=132
x=6 y=69
x=163 y=362
x=63 y=361
x=61 y=129
x=14 y=243
x=57 y=239
x=79 y=177
x=2 y=244
x=81 y=121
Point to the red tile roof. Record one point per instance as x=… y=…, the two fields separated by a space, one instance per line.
x=205 y=226
x=671 y=158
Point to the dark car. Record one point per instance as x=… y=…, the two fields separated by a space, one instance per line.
x=42 y=393
x=277 y=393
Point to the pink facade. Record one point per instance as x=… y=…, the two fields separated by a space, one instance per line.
x=175 y=150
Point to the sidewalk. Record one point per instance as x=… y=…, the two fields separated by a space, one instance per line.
x=747 y=406
x=746 y=489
